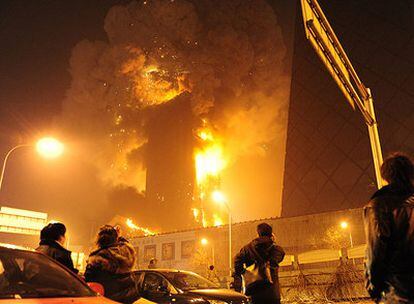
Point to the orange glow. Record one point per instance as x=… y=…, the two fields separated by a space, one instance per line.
x=204 y=241
x=217 y=221
x=209 y=163
x=344 y=225
x=218 y=197
x=209 y=160
x=49 y=147
x=152 y=84
x=196 y=213
x=133 y=226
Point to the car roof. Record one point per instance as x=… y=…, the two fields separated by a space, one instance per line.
x=14 y=247
x=165 y=270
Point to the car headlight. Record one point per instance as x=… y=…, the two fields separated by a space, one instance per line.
x=217 y=302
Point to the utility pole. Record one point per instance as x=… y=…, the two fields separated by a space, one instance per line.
x=323 y=39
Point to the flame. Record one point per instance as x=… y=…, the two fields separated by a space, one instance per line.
x=209 y=160
x=209 y=163
x=146 y=231
x=152 y=84
x=196 y=214
x=217 y=220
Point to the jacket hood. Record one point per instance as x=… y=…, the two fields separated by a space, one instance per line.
x=118 y=258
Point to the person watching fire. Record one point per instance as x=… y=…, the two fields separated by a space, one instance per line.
x=52 y=242
x=110 y=265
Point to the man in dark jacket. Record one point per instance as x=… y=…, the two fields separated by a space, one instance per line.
x=266 y=255
x=52 y=240
x=389 y=226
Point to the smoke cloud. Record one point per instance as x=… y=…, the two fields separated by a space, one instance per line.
x=228 y=54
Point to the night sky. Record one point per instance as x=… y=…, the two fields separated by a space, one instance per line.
x=36 y=42
x=37 y=38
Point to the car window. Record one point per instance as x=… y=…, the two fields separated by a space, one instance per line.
x=189 y=281
x=154 y=282
x=26 y=274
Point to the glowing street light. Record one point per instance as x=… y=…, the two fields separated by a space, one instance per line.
x=345 y=226
x=204 y=242
x=219 y=198
x=48 y=147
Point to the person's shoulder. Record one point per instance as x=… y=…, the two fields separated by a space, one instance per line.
x=379 y=198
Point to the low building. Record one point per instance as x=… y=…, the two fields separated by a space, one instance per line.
x=184 y=249
x=21 y=227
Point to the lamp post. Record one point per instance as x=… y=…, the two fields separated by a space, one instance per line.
x=220 y=198
x=48 y=147
x=345 y=226
x=204 y=242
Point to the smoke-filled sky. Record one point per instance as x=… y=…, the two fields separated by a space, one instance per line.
x=94 y=72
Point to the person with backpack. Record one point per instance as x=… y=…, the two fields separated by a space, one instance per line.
x=389 y=226
x=257 y=265
x=110 y=265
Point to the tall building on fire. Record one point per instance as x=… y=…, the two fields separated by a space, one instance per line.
x=328 y=163
x=170 y=162
x=328 y=159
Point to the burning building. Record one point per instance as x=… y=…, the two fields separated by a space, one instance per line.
x=179 y=95
x=170 y=170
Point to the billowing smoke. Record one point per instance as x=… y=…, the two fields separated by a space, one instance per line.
x=228 y=54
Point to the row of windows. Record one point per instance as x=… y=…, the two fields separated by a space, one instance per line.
x=18 y=230
x=20 y=218
x=168 y=251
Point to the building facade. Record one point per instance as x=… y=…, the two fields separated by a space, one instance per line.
x=196 y=249
x=328 y=159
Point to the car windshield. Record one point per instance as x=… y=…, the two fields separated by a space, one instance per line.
x=25 y=274
x=189 y=281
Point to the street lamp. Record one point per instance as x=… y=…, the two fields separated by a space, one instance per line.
x=218 y=197
x=345 y=226
x=204 y=242
x=47 y=147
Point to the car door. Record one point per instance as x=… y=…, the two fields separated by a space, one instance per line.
x=156 y=288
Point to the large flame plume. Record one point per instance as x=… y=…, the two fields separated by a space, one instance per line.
x=209 y=164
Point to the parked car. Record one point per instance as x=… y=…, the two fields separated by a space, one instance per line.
x=29 y=277
x=183 y=287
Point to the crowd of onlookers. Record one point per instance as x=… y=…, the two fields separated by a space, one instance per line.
x=109 y=264
x=389 y=222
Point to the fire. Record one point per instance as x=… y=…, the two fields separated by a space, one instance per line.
x=217 y=220
x=133 y=226
x=196 y=214
x=209 y=163
x=152 y=84
x=209 y=160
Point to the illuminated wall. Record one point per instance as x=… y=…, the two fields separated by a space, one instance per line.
x=328 y=159
x=21 y=221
